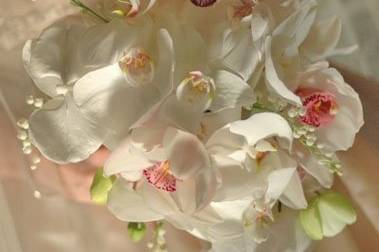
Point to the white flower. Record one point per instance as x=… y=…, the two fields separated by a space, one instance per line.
x=281 y=50
x=253 y=220
x=248 y=156
x=118 y=95
x=56 y=61
x=166 y=173
x=174 y=72
x=335 y=111
x=296 y=43
x=169 y=166
x=198 y=85
x=332 y=107
x=285 y=234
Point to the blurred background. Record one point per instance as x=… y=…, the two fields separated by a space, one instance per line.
x=55 y=224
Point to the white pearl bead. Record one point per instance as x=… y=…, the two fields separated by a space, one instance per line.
x=22 y=135
x=36 y=159
x=23 y=123
x=38 y=102
x=26 y=143
x=61 y=90
x=27 y=150
x=37 y=194
x=30 y=100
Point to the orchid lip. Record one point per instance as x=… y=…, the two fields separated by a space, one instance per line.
x=321 y=107
x=203 y=3
x=137 y=66
x=159 y=175
x=197 y=89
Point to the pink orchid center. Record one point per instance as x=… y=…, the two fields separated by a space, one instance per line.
x=321 y=106
x=160 y=176
x=203 y=3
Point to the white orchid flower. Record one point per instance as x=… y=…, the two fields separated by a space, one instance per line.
x=248 y=157
x=57 y=61
x=165 y=173
x=281 y=50
x=118 y=95
x=296 y=43
x=334 y=111
x=332 y=107
x=238 y=46
x=285 y=234
x=250 y=150
x=198 y=85
x=253 y=219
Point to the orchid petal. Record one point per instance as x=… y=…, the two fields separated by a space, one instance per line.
x=63 y=133
x=231 y=92
x=128 y=205
x=261 y=126
x=186 y=153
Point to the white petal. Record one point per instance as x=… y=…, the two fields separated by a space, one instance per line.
x=286 y=234
x=128 y=160
x=260 y=21
x=272 y=79
x=215 y=121
x=68 y=49
x=62 y=132
x=184 y=196
x=165 y=65
x=181 y=114
x=207 y=216
x=158 y=200
x=105 y=44
x=186 y=153
x=311 y=165
x=298 y=25
x=293 y=196
x=190 y=50
x=223 y=142
x=207 y=182
x=322 y=39
x=128 y=205
x=236 y=51
x=239 y=244
x=261 y=126
x=231 y=212
x=237 y=182
x=231 y=92
x=103 y=96
x=47 y=55
x=277 y=183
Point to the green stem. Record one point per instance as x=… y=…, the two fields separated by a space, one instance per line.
x=84 y=7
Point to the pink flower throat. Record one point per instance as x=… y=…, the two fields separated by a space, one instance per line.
x=321 y=106
x=160 y=176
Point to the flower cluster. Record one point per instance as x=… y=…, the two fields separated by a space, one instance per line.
x=222 y=117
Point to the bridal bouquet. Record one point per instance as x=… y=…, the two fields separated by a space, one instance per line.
x=223 y=117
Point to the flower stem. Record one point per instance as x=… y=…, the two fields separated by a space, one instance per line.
x=85 y=8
